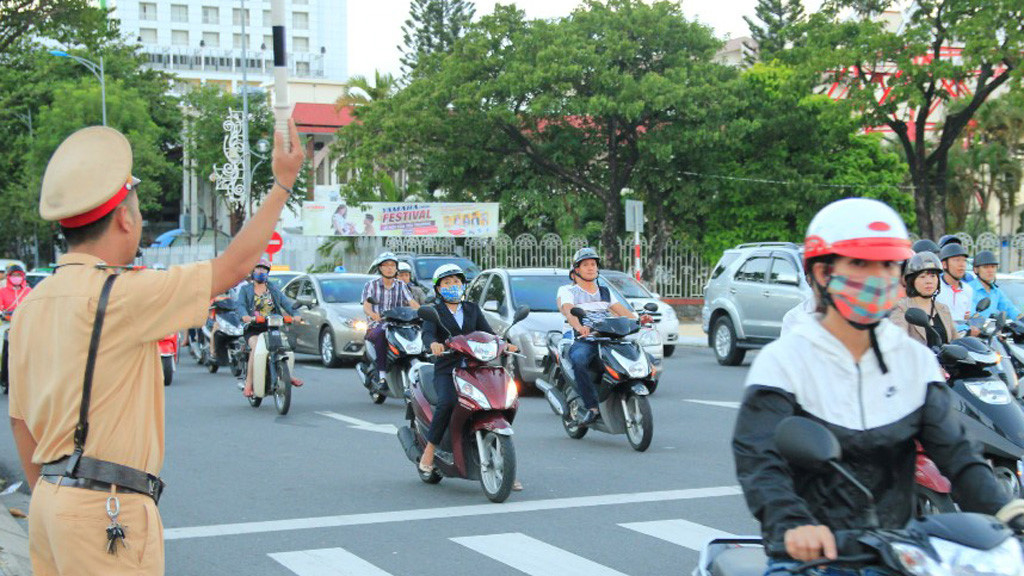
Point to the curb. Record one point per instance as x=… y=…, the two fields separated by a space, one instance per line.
x=14 y=557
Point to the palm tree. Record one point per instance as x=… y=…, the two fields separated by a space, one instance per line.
x=358 y=91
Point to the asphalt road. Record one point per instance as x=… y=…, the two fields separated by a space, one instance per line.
x=327 y=490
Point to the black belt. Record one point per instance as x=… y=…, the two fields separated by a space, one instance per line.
x=95 y=474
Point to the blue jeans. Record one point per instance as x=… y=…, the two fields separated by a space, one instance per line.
x=779 y=568
x=581 y=354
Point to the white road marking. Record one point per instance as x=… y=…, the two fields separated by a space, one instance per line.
x=327 y=562
x=533 y=557
x=720 y=404
x=680 y=532
x=446 y=512
x=362 y=424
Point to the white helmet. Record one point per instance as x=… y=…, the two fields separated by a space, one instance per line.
x=382 y=258
x=404 y=267
x=446 y=270
x=858 y=228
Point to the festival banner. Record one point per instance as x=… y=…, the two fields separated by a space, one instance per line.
x=399 y=219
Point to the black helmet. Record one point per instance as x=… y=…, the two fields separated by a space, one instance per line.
x=925 y=245
x=948 y=238
x=984 y=258
x=952 y=249
x=15 y=268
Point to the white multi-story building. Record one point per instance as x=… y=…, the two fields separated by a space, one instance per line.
x=201 y=41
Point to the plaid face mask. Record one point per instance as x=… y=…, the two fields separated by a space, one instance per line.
x=866 y=300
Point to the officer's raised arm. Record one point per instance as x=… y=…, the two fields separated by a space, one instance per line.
x=243 y=252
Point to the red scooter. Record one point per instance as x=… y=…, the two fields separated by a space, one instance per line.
x=478 y=442
x=169 y=356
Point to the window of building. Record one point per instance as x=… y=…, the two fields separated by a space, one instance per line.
x=267 y=18
x=298 y=2
x=302 y=68
x=147 y=35
x=211 y=39
x=211 y=15
x=300 y=21
x=147 y=11
x=179 y=13
x=237 y=42
x=268 y=42
x=300 y=44
x=236 y=17
x=179 y=37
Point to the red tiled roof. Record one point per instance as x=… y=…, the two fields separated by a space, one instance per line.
x=321 y=118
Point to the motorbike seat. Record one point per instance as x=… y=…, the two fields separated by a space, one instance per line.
x=427 y=383
x=740 y=561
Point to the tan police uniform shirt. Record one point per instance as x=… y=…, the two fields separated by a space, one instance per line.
x=50 y=343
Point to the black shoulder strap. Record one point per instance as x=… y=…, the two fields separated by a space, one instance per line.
x=604 y=292
x=82 y=430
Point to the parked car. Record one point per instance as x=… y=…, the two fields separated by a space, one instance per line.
x=1013 y=286
x=423 y=266
x=499 y=291
x=34 y=278
x=281 y=277
x=750 y=290
x=6 y=262
x=334 y=325
x=665 y=318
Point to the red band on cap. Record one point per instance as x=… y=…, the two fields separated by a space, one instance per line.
x=97 y=212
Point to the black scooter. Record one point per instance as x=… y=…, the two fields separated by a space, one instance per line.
x=223 y=343
x=940 y=544
x=403 y=331
x=992 y=415
x=627 y=374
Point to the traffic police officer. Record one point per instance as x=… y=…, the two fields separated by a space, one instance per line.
x=94 y=456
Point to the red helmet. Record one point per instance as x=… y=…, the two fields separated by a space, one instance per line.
x=858 y=228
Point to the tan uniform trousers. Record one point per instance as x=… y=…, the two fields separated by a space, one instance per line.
x=68 y=533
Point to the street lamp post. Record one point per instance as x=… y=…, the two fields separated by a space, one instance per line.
x=247 y=176
x=96 y=69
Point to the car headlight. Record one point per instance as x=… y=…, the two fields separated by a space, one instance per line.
x=511 y=392
x=357 y=325
x=959 y=560
x=467 y=389
x=649 y=338
x=990 y=391
x=540 y=339
x=484 y=351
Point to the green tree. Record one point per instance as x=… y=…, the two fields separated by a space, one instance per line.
x=932 y=85
x=987 y=165
x=57 y=19
x=433 y=27
x=775 y=28
x=567 y=100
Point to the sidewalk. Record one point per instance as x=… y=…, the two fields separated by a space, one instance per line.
x=14 y=559
x=691 y=334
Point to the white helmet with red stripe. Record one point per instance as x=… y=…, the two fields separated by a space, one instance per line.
x=858 y=228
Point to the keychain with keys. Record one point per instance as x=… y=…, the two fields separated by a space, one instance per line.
x=116 y=531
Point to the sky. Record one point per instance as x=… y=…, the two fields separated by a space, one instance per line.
x=375 y=26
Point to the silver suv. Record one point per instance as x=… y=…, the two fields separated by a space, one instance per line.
x=750 y=290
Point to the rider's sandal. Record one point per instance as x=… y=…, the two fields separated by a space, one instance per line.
x=296 y=382
x=425 y=469
x=247 y=393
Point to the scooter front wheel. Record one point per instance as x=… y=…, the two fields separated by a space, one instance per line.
x=639 y=422
x=499 y=472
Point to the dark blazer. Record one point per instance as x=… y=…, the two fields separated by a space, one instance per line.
x=245 y=305
x=473 y=320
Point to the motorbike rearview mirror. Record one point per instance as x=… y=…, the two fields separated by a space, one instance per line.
x=951 y=353
x=917 y=317
x=427 y=313
x=808 y=444
x=983 y=304
x=578 y=312
x=521 y=313
x=651 y=307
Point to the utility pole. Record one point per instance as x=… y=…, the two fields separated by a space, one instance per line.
x=246 y=174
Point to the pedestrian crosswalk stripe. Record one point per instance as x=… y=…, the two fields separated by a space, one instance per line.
x=681 y=532
x=327 y=562
x=718 y=403
x=533 y=557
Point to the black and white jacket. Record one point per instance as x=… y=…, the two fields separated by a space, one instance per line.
x=875 y=416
